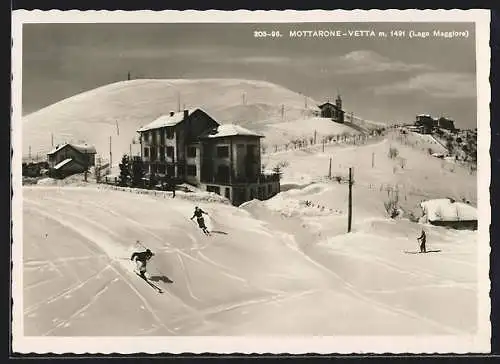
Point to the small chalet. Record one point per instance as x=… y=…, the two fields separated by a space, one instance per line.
x=191 y=147
x=67 y=159
x=449 y=213
x=333 y=111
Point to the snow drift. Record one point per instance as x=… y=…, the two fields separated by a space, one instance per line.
x=446 y=210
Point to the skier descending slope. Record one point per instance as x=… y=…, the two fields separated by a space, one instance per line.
x=141 y=259
x=198 y=213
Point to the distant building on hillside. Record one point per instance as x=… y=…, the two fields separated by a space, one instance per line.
x=192 y=147
x=333 y=111
x=67 y=159
x=445 y=123
x=427 y=123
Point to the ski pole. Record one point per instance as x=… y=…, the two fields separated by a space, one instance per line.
x=140 y=244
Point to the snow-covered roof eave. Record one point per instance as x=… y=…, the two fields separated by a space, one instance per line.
x=165 y=120
x=229 y=130
x=63 y=163
x=84 y=149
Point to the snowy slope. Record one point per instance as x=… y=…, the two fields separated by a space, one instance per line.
x=259 y=273
x=128 y=105
x=422 y=176
x=119 y=109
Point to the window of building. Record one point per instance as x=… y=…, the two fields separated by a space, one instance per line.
x=170 y=133
x=191 y=170
x=162 y=153
x=222 y=152
x=240 y=146
x=223 y=174
x=146 y=152
x=162 y=137
x=228 y=193
x=170 y=152
x=269 y=189
x=152 y=153
x=215 y=189
x=191 y=152
x=162 y=168
x=181 y=170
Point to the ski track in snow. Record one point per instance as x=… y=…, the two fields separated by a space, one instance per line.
x=35 y=264
x=72 y=227
x=65 y=292
x=352 y=289
x=67 y=321
x=203 y=259
x=186 y=278
x=177 y=251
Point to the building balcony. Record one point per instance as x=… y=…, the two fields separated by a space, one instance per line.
x=226 y=181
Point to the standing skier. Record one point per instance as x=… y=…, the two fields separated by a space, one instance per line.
x=423 y=239
x=141 y=259
x=198 y=213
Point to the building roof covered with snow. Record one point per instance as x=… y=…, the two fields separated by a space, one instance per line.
x=171 y=119
x=82 y=148
x=446 y=210
x=229 y=130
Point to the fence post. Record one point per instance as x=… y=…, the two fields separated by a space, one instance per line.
x=349 y=214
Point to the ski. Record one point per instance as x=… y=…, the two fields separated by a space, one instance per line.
x=151 y=284
x=427 y=252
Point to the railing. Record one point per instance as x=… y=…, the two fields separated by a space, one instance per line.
x=224 y=180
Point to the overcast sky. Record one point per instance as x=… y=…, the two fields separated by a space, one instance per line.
x=383 y=79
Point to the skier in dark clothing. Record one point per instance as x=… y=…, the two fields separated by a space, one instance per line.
x=198 y=213
x=141 y=259
x=423 y=239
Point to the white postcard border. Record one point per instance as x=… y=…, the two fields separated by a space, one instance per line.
x=262 y=344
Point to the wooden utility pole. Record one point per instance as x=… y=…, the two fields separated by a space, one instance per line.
x=349 y=211
x=110 y=155
x=52 y=139
x=29 y=153
x=130 y=150
x=330 y=169
x=373 y=159
x=128 y=76
x=117 y=128
x=315 y=137
x=323 y=145
x=86 y=165
x=282 y=111
x=178 y=101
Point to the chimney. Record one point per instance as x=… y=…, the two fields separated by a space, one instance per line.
x=186 y=113
x=172 y=113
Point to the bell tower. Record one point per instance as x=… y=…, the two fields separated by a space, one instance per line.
x=338 y=102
